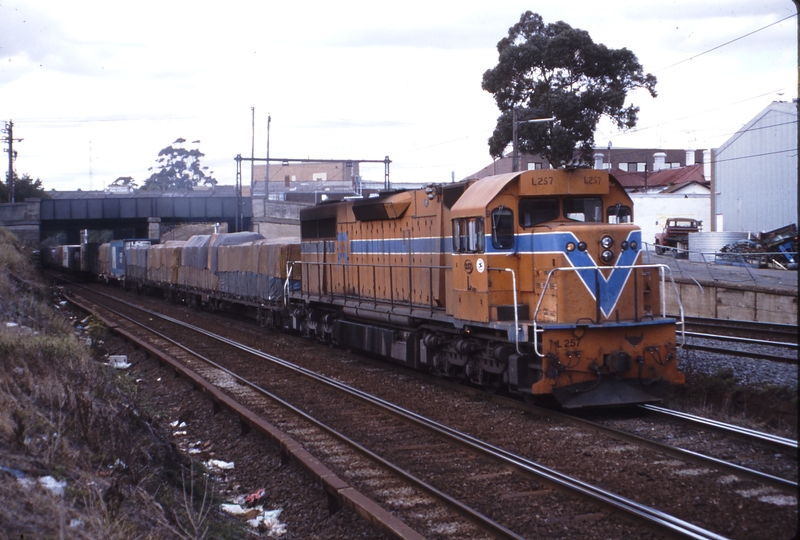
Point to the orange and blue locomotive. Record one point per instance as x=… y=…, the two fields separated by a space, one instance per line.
x=530 y=281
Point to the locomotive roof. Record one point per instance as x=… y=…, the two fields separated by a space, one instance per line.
x=478 y=195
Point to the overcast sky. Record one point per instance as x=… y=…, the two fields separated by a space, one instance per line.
x=97 y=88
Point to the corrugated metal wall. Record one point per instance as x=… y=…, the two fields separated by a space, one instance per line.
x=756 y=172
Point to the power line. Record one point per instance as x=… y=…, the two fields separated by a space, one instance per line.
x=757 y=155
x=109 y=118
x=727 y=43
x=638 y=129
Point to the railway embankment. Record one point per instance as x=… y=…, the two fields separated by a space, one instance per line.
x=85 y=451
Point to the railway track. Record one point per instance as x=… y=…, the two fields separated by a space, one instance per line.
x=761 y=341
x=779 y=443
x=774 y=332
x=414 y=453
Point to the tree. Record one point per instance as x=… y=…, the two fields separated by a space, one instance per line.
x=555 y=70
x=24 y=188
x=179 y=168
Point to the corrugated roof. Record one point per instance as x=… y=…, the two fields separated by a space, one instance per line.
x=678 y=176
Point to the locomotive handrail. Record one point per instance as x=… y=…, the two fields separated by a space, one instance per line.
x=660 y=267
x=289 y=270
x=516 y=313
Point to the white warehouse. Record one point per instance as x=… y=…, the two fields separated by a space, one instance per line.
x=754 y=174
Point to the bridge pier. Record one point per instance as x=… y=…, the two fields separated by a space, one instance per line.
x=154 y=228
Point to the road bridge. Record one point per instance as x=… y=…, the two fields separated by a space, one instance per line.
x=132 y=214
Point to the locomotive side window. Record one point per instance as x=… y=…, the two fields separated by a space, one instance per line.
x=619 y=214
x=502 y=228
x=588 y=209
x=538 y=210
x=468 y=235
x=457 y=246
x=318 y=228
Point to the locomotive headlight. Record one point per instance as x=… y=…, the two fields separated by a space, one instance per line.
x=570 y=246
x=582 y=246
x=624 y=245
x=607 y=242
x=607 y=256
x=634 y=245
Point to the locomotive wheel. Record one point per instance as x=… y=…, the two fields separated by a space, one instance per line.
x=659 y=250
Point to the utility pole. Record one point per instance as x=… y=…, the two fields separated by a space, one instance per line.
x=252 y=149
x=12 y=156
x=514 y=124
x=266 y=176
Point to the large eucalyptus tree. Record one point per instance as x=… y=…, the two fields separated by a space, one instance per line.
x=554 y=70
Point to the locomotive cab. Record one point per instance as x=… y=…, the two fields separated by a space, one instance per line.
x=551 y=259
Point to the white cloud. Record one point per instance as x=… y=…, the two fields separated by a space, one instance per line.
x=96 y=86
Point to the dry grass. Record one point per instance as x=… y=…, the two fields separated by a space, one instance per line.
x=63 y=414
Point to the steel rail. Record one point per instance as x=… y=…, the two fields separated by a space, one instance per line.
x=683 y=454
x=781 y=443
x=752 y=327
x=742 y=354
x=738 y=339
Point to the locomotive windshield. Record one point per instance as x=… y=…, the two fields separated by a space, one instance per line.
x=588 y=209
x=619 y=214
x=538 y=210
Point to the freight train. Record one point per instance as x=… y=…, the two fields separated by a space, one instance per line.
x=530 y=282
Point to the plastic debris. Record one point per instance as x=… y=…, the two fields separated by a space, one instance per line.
x=268 y=522
x=16 y=472
x=52 y=485
x=177 y=424
x=217 y=464
x=119 y=361
x=255 y=497
x=237 y=510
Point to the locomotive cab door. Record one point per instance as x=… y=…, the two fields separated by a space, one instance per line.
x=470 y=281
